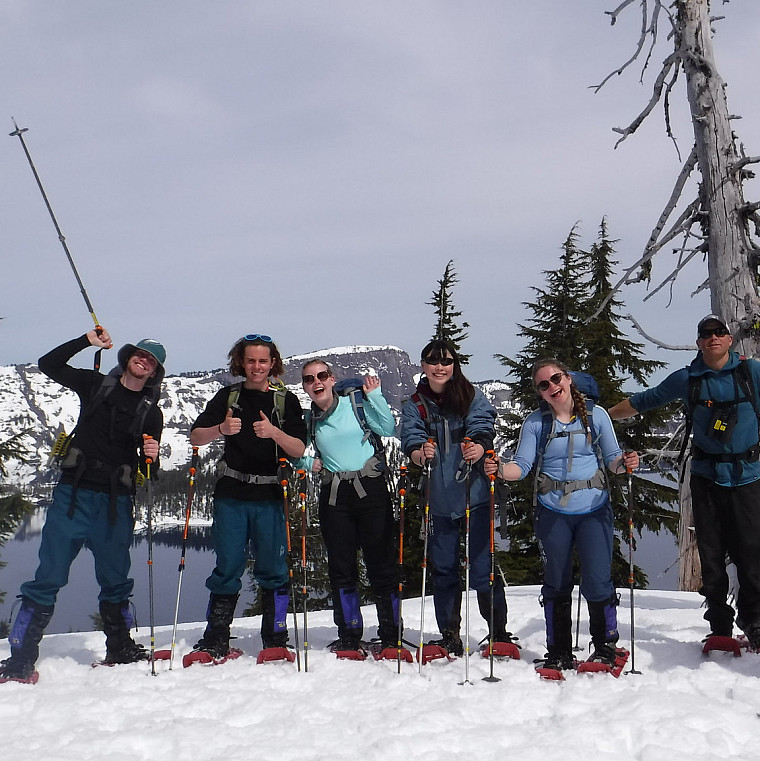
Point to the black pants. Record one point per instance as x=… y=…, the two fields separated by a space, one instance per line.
x=727 y=521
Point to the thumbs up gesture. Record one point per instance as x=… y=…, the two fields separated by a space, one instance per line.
x=231 y=425
x=263 y=428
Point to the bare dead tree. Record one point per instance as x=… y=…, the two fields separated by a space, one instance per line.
x=718 y=223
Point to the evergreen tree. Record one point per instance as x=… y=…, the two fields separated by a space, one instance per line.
x=560 y=328
x=446 y=326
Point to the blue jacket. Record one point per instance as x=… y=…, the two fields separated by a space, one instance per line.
x=447 y=494
x=719 y=386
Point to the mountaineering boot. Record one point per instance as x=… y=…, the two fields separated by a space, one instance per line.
x=117 y=620
x=558 y=614
x=274 y=624
x=603 y=629
x=387 y=619
x=24 y=638
x=216 y=639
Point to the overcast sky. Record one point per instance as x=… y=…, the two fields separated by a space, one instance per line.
x=306 y=169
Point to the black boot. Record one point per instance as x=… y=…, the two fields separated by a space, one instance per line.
x=387 y=619
x=28 y=628
x=216 y=639
x=117 y=620
x=274 y=619
x=603 y=629
x=558 y=613
x=500 y=633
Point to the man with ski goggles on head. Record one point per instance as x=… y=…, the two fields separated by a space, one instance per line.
x=719 y=390
x=260 y=422
x=119 y=425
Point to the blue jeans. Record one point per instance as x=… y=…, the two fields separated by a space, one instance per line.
x=236 y=522
x=591 y=534
x=63 y=537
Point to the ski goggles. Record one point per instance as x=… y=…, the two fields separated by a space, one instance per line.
x=257 y=337
x=553 y=380
x=322 y=375
x=444 y=361
x=710 y=332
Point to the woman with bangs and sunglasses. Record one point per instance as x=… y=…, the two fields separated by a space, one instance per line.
x=450 y=424
x=247 y=495
x=572 y=509
x=355 y=509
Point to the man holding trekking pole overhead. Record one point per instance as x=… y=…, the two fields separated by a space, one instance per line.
x=260 y=422
x=119 y=426
x=720 y=394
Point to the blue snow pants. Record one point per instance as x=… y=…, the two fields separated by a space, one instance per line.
x=591 y=534
x=236 y=522
x=63 y=537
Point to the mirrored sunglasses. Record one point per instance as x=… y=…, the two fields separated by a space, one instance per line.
x=553 y=380
x=322 y=375
x=257 y=337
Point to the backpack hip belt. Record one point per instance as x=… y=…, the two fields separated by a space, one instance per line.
x=750 y=455
x=371 y=469
x=547 y=484
x=222 y=469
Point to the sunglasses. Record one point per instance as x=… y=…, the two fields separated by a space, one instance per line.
x=554 y=380
x=710 y=332
x=322 y=375
x=444 y=361
x=257 y=337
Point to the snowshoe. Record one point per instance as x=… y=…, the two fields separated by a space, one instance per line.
x=502 y=648
x=724 y=644
x=448 y=647
x=348 y=649
x=205 y=657
x=24 y=672
x=389 y=651
x=551 y=667
x=605 y=659
x=273 y=654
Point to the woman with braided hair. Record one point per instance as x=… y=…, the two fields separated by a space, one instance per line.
x=572 y=507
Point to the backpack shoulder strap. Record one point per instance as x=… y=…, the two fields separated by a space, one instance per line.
x=280 y=392
x=234 y=394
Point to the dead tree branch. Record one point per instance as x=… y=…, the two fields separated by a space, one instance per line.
x=654 y=340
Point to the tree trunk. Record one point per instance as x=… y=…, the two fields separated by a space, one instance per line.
x=730 y=252
x=689 y=568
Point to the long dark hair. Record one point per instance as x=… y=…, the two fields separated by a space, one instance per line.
x=458 y=393
x=579 y=401
x=237 y=352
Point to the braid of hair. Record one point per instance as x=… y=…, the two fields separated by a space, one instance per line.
x=580 y=409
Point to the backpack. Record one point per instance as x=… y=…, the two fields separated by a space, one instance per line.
x=724 y=414
x=275 y=385
x=587 y=385
x=353 y=388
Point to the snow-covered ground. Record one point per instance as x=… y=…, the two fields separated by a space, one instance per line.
x=683 y=706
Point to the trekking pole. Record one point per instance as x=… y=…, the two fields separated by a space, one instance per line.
x=401 y=578
x=19 y=133
x=285 y=505
x=468 y=481
x=425 y=534
x=629 y=471
x=181 y=568
x=148 y=463
x=578 y=619
x=304 y=570
x=492 y=520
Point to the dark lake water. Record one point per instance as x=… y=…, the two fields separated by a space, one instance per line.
x=79 y=599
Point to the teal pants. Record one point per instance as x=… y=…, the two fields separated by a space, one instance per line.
x=236 y=522
x=63 y=537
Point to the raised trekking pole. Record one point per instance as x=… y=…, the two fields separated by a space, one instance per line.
x=181 y=568
x=401 y=578
x=19 y=133
x=468 y=481
x=629 y=471
x=425 y=533
x=285 y=507
x=304 y=567
x=149 y=483
x=491 y=577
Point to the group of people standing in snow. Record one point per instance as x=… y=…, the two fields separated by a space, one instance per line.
x=447 y=428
